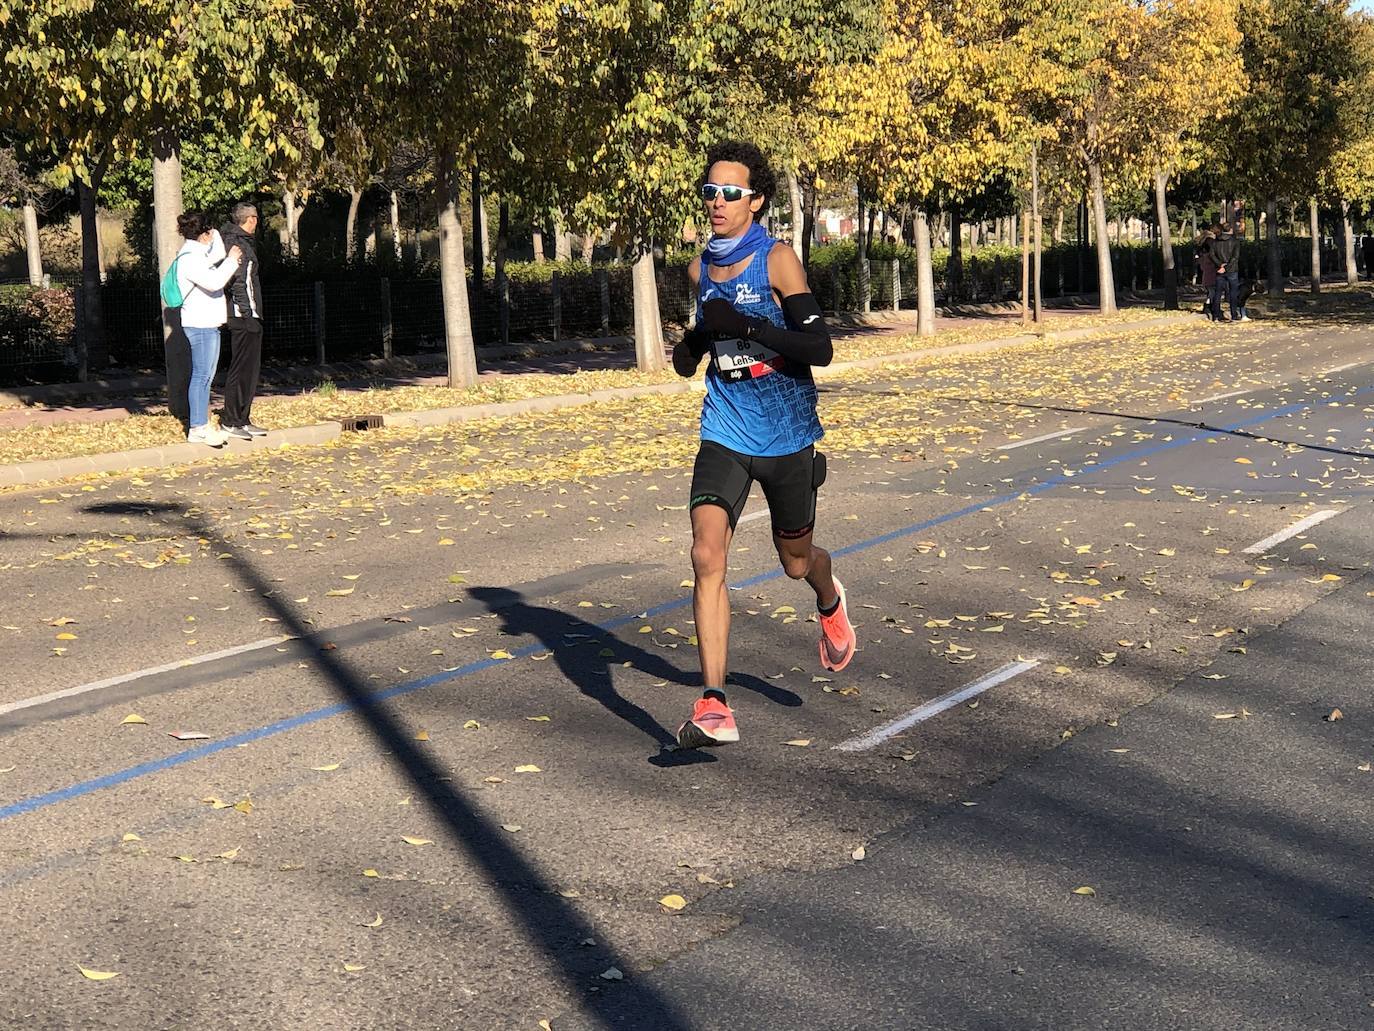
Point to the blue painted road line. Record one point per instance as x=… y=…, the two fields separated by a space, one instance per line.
x=86 y=787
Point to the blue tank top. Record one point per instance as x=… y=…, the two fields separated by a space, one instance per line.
x=757 y=402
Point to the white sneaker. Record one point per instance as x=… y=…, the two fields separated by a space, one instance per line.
x=1245 y=318
x=207 y=434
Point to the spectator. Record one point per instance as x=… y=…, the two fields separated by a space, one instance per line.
x=1369 y=257
x=1224 y=250
x=245 y=326
x=1240 y=291
x=1202 y=254
x=203 y=268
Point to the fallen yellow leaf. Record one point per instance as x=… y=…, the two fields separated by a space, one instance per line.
x=528 y=768
x=377 y=922
x=133 y=717
x=416 y=841
x=96 y=975
x=673 y=902
x=1085 y=890
x=800 y=742
x=326 y=769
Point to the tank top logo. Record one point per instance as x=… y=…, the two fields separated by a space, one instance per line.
x=746 y=294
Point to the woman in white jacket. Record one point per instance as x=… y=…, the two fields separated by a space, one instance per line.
x=203 y=268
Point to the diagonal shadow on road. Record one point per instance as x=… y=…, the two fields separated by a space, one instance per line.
x=547 y=920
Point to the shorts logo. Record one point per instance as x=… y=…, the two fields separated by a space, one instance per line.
x=746 y=294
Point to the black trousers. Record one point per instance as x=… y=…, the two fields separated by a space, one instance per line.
x=245 y=364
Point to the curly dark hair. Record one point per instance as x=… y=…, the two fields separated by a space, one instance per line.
x=192 y=224
x=762 y=179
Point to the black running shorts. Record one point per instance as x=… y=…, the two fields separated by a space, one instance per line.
x=723 y=477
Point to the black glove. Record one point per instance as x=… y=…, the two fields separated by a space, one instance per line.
x=720 y=317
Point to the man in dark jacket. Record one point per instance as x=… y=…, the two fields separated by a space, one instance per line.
x=1224 y=251
x=244 y=294
x=1369 y=257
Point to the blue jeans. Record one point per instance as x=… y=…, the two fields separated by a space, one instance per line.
x=1229 y=282
x=204 y=361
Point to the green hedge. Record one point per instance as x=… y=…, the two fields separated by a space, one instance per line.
x=36 y=332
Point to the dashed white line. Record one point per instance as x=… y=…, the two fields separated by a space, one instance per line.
x=1259 y=547
x=1221 y=397
x=1040 y=440
x=924 y=712
x=124 y=678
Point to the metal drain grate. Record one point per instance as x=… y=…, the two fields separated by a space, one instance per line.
x=354 y=423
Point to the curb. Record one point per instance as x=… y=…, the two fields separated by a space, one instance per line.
x=35 y=473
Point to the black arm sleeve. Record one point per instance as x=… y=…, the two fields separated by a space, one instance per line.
x=688 y=351
x=809 y=343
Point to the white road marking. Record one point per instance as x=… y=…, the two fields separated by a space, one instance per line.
x=1260 y=547
x=1040 y=440
x=752 y=516
x=124 y=678
x=1341 y=368
x=922 y=713
x=1221 y=397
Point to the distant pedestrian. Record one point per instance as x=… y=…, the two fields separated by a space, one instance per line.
x=1224 y=250
x=1241 y=289
x=1369 y=257
x=245 y=326
x=1207 y=269
x=202 y=269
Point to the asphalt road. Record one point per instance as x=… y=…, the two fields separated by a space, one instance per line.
x=347 y=614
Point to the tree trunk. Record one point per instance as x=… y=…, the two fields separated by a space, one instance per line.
x=355 y=196
x=648 y=322
x=90 y=343
x=1166 y=241
x=166 y=200
x=502 y=284
x=479 y=232
x=176 y=349
x=100 y=247
x=954 y=269
x=798 y=218
x=291 y=243
x=1038 y=310
x=462 y=355
x=1274 y=284
x=396 y=226
x=1025 y=267
x=1352 y=274
x=1058 y=237
x=925 y=278
x=808 y=225
x=1106 y=284
x=562 y=239
x=1316 y=245
x=31 y=243
x=588 y=247
x=537 y=239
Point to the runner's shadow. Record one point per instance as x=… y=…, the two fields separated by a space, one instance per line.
x=578 y=648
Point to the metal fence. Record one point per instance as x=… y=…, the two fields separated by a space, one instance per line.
x=360 y=317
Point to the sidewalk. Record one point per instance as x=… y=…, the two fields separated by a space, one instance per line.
x=573 y=378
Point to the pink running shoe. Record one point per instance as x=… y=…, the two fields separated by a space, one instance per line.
x=712 y=723
x=837 y=636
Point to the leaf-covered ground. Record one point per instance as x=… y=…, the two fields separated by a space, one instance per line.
x=156 y=429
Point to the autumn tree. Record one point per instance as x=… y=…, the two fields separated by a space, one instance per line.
x=1298 y=54
x=641 y=86
x=1137 y=79
x=1348 y=176
x=933 y=113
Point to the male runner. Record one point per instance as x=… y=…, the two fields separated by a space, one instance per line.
x=763 y=330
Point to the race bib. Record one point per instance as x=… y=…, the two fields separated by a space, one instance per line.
x=744 y=359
